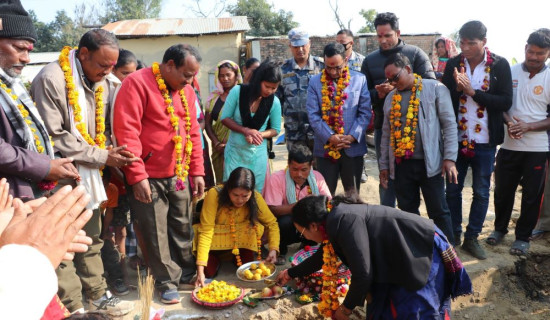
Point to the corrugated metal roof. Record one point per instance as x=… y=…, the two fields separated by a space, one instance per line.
x=185 y=27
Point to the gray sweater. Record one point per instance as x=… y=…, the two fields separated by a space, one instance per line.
x=438 y=128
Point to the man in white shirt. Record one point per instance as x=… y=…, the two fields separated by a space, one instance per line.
x=522 y=156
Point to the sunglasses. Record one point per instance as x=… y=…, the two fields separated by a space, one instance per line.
x=395 y=78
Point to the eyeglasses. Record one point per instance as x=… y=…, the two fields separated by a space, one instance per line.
x=339 y=68
x=395 y=78
x=302 y=233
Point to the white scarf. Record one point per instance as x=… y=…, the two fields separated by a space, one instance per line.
x=91 y=178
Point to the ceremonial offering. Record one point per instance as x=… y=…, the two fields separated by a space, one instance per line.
x=217 y=295
x=256 y=271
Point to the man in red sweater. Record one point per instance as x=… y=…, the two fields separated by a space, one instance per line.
x=155 y=121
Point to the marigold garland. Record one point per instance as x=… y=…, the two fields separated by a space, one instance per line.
x=181 y=169
x=402 y=140
x=329 y=293
x=236 y=252
x=44 y=185
x=467 y=144
x=72 y=96
x=332 y=101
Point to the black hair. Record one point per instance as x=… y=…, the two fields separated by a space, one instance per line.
x=228 y=66
x=250 y=62
x=140 y=65
x=125 y=57
x=438 y=42
x=397 y=59
x=387 y=18
x=300 y=154
x=310 y=209
x=270 y=71
x=540 y=38
x=240 y=178
x=347 y=32
x=179 y=52
x=473 y=30
x=333 y=49
x=96 y=38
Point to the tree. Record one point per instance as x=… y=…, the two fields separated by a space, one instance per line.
x=336 y=9
x=265 y=21
x=116 y=10
x=53 y=36
x=369 y=16
x=199 y=10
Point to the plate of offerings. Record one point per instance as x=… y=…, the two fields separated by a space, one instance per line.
x=217 y=295
x=256 y=271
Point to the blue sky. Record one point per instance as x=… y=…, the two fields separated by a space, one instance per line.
x=508 y=25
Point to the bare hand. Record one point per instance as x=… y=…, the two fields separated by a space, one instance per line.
x=283 y=277
x=449 y=171
x=198 y=186
x=517 y=129
x=463 y=82
x=200 y=277
x=119 y=157
x=383 y=176
x=254 y=136
x=51 y=227
x=272 y=256
x=6 y=199
x=142 y=191
x=79 y=243
x=340 y=315
x=62 y=169
x=220 y=147
x=383 y=89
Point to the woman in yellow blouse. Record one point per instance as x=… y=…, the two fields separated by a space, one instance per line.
x=233 y=218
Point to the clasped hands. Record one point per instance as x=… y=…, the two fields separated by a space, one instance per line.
x=340 y=141
x=120 y=157
x=253 y=136
x=463 y=82
x=518 y=128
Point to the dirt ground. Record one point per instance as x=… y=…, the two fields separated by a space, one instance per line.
x=505 y=287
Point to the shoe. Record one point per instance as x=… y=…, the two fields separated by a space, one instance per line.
x=458 y=240
x=472 y=247
x=170 y=296
x=119 y=287
x=364 y=178
x=112 y=305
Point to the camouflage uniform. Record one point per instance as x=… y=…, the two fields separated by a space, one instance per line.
x=293 y=94
x=355 y=61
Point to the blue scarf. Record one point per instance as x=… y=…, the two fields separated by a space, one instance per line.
x=291 y=189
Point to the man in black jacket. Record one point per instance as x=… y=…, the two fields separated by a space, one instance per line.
x=480 y=83
x=387 y=31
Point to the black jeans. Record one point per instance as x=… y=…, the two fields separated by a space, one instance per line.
x=349 y=169
x=514 y=168
x=410 y=178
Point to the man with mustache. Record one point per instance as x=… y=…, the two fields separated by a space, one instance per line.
x=73 y=96
x=522 y=157
x=26 y=154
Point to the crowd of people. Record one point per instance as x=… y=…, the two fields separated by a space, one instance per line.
x=122 y=153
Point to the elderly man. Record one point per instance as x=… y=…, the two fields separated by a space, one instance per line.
x=297 y=72
x=26 y=154
x=155 y=116
x=286 y=187
x=73 y=97
x=388 y=32
x=419 y=142
x=338 y=106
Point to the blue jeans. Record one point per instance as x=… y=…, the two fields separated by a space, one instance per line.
x=482 y=164
x=387 y=196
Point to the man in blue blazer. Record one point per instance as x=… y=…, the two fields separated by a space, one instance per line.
x=338 y=106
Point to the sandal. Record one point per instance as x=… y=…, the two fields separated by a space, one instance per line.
x=519 y=248
x=537 y=235
x=495 y=238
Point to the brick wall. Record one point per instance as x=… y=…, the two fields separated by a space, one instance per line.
x=277 y=47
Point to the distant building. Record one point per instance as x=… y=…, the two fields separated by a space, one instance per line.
x=216 y=38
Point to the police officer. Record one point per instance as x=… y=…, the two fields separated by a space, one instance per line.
x=293 y=92
x=355 y=59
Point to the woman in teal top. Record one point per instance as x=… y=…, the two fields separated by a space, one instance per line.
x=248 y=111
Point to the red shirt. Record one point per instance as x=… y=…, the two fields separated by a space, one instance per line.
x=141 y=122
